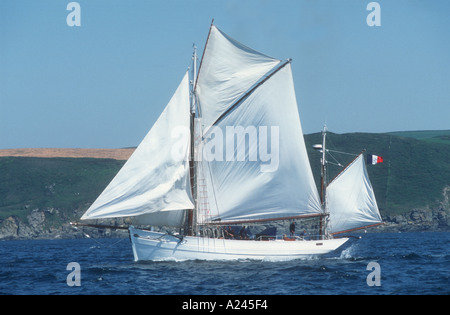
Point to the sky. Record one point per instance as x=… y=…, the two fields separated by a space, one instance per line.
x=104 y=83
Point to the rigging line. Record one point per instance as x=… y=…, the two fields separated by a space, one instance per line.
x=352 y=154
x=266 y=77
x=337 y=162
x=99 y=243
x=388 y=178
x=213 y=187
x=201 y=166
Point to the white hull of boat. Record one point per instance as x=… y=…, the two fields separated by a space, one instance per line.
x=155 y=246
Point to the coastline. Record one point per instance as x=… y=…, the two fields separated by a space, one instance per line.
x=37 y=227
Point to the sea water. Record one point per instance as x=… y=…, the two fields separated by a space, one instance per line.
x=407 y=263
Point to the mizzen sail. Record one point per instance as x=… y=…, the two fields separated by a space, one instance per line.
x=351 y=200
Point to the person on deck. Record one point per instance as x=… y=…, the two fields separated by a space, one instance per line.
x=303 y=234
x=243 y=233
x=228 y=233
x=292 y=229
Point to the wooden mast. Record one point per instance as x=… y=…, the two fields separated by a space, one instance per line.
x=191 y=214
x=192 y=165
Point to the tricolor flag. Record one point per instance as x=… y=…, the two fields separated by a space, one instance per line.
x=374 y=159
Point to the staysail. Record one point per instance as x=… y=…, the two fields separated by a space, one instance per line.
x=257 y=167
x=351 y=200
x=155 y=179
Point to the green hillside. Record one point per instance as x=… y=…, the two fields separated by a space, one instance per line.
x=62 y=184
x=414 y=173
x=432 y=136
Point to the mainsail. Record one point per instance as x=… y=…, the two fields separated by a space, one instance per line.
x=351 y=200
x=253 y=187
x=155 y=178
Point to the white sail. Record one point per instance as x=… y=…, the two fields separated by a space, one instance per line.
x=156 y=176
x=228 y=69
x=351 y=200
x=274 y=178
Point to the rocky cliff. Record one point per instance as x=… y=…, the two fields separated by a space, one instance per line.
x=36 y=226
x=436 y=219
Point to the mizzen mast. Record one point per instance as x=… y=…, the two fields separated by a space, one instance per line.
x=323 y=182
x=323 y=172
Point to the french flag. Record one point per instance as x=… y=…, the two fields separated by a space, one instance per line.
x=374 y=159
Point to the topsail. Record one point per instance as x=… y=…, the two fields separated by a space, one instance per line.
x=227 y=70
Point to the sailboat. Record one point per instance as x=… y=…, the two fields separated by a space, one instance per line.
x=228 y=150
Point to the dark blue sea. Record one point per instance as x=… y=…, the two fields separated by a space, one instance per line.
x=408 y=264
